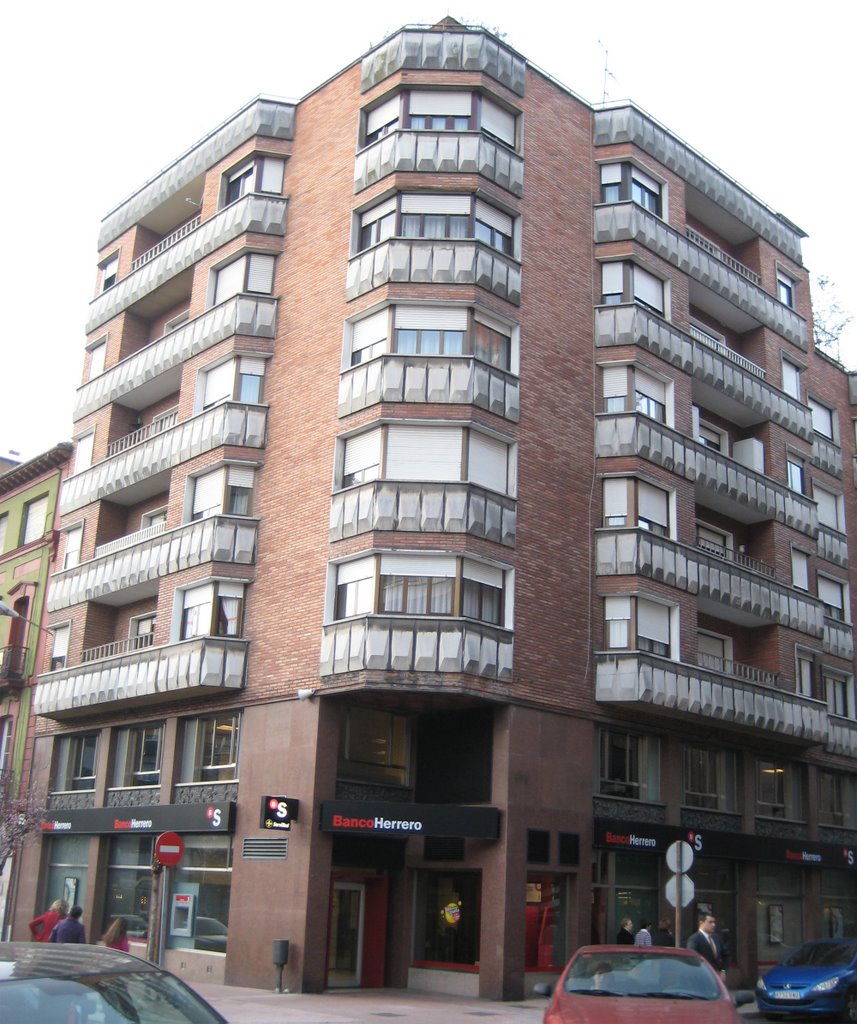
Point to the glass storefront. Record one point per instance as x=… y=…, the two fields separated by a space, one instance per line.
x=545 y=923
x=199 y=897
x=447 y=918
x=624 y=885
x=714 y=880
x=839 y=904
x=68 y=865
x=129 y=883
x=779 y=914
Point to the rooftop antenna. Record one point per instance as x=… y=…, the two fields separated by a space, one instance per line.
x=607 y=72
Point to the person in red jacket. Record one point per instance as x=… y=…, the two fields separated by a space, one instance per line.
x=42 y=926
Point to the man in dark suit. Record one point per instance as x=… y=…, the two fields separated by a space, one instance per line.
x=706 y=943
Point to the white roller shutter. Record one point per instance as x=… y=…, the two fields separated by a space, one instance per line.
x=435 y=204
x=610 y=175
x=60 y=644
x=260 y=277
x=713 y=646
x=490 y=575
x=616 y=498
x=644 y=179
x=73 y=541
x=499 y=122
x=423 y=453
x=36 y=515
x=617 y=612
x=648 y=289
x=254 y=367
x=351 y=572
x=379 y=211
x=240 y=476
x=361 y=451
x=614 y=381
x=830 y=592
x=97 y=356
x=440 y=104
x=612 y=278
x=436 y=318
x=230 y=281
x=83 y=452
x=230 y=589
x=822 y=419
x=208 y=493
x=197 y=597
x=272 y=174
x=219 y=383
x=488 y=462
x=496 y=325
x=800 y=569
x=653 y=621
x=828 y=508
x=495 y=218
x=370 y=330
x=383 y=114
x=653 y=503
x=418 y=565
x=650 y=387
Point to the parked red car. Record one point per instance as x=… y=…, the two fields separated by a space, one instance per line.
x=645 y=985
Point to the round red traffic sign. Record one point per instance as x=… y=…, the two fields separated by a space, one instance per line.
x=169 y=847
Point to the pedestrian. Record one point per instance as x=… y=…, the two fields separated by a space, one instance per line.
x=644 y=935
x=69 y=929
x=705 y=942
x=625 y=935
x=42 y=926
x=116 y=935
x=664 y=935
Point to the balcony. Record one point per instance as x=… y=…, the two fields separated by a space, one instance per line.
x=645 y=683
x=189 y=669
x=722 y=257
x=166 y=243
x=141 y=471
x=442 y=153
x=725 y=293
x=423 y=508
x=724 y=589
x=13 y=664
x=838 y=638
x=827 y=455
x=737 y=669
x=401 y=644
x=833 y=546
x=437 y=379
x=425 y=261
x=163 y=422
x=154 y=372
x=723 y=380
x=714 y=198
x=117 y=647
x=166 y=191
x=721 y=483
x=259 y=214
x=444 y=51
x=131 y=569
x=842 y=738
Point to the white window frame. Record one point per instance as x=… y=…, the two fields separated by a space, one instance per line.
x=786 y=288
x=83 y=448
x=804 y=671
x=832 y=501
x=791 y=377
x=829 y=586
x=33 y=529
x=59 y=646
x=72 y=543
x=256 y=271
x=800 y=569
x=823 y=419
x=97 y=357
x=108 y=272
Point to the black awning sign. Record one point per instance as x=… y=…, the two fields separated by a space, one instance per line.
x=278 y=813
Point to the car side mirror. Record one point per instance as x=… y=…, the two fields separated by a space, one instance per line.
x=742 y=997
x=543 y=988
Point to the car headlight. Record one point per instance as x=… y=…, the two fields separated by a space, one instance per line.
x=826 y=986
x=760 y=984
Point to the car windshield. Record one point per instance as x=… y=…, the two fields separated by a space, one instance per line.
x=822 y=954
x=638 y=974
x=145 y=997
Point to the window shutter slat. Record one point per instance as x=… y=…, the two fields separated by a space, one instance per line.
x=36 y=515
x=256 y=367
x=272 y=174
x=383 y=114
x=653 y=621
x=653 y=503
x=60 y=644
x=439 y=103
x=219 y=383
x=481 y=573
x=611 y=174
x=615 y=497
x=230 y=280
x=379 y=211
x=417 y=565
x=498 y=122
x=830 y=592
x=488 y=462
x=198 y=596
x=436 y=318
x=612 y=281
x=423 y=453
x=644 y=179
x=617 y=607
x=435 y=204
x=260 y=277
x=369 y=330
x=240 y=476
x=614 y=381
x=496 y=218
x=648 y=288
x=360 y=569
x=650 y=387
x=208 y=492
x=361 y=451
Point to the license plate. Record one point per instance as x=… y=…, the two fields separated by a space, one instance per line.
x=787 y=995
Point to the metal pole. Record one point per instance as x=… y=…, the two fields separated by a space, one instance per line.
x=153 y=941
x=162 y=932
x=679 y=877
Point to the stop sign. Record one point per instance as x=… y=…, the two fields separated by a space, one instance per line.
x=169 y=847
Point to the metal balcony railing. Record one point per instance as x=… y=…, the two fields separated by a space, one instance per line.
x=738 y=557
x=737 y=668
x=126 y=646
x=165 y=243
x=725 y=351
x=12 y=661
x=130 y=539
x=719 y=254
x=157 y=426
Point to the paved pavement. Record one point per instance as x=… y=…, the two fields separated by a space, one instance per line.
x=371 y=1006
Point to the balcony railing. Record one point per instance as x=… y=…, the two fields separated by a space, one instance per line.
x=645 y=682
x=165 y=243
x=111 y=650
x=157 y=426
x=719 y=254
x=738 y=557
x=726 y=351
x=130 y=539
x=400 y=644
x=13 y=660
x=191 y=668
x=453 y=379
x=727 y=667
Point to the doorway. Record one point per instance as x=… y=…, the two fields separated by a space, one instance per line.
x=345 y=938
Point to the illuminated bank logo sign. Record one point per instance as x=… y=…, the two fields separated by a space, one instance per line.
x=278 y=813
x=402 y=820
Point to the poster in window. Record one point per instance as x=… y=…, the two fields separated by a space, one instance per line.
x=775 y=924
x=69 y=890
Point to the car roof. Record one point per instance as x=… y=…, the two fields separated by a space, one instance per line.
x=632 y=950
x=64 y=960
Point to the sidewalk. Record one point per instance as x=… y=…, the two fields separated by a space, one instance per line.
x=365 y=1006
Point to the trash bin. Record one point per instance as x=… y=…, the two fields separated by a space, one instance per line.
x=280 y=956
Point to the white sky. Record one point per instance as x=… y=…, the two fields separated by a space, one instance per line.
x=101 y=95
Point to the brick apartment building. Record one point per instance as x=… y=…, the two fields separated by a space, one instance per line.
x=455 y=469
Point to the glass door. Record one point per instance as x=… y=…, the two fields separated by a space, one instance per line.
x=345 y=940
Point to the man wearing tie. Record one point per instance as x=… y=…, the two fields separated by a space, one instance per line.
x=706 y=943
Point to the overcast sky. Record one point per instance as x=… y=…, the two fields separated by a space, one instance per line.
x=100 y=96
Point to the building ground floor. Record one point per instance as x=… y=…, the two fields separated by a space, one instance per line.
x=458 y=846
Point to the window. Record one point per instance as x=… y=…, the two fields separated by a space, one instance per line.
x=710 y=436
x=830 y=512
x=263 y=174
x=800 y=569
x=137 y=760
x=627 y=282
x=714 y=652
x=822 y=419
x=377 y=224
x=623 y=182
x=381 y=120
x=34 y=520
x=804 y=672
x=795 y=470
x=83 y=452
x=109 y=272
x=833 y=596
x=212 y=610
x=838 y=692
x=204 y=874
x=128 y=892
x=5 y=742
x=210 y=748
x=238 y=380
x=709 y=778
x=157 y=517
x=421 y=584
x=141 y=632
x=650 y=395
x=628 y=501
x=76 y=762
x=97 y=356
x=778 y=789
x=253 y=273
x=440 y=111
x=59 y=650
x=636 y=623
x=716 y=542
x=73 y=541
x=4 y=524
x=374 y=746
x=176 y=321
x=837 y=799
x=629 y=765
x=791 y=379
x=226 y=491
x=786 y=289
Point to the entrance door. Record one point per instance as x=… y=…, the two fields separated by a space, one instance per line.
x=345 y=941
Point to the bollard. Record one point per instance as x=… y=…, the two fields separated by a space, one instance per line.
x=280 y=956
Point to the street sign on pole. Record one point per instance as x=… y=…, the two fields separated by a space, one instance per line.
x=679 y=856
x=169 y=847
x=680 y=891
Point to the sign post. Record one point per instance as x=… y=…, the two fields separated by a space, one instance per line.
x=680 y=890
x=169 y=847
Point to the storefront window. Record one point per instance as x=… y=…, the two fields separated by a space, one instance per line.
x=447 y=919
x=545 y=923
x=67 y=870
x=779 y=921
x=624 y=885
x=199 y=900
x=129 y=884
x=374 y=747
x=715 y=894
x=839 y=904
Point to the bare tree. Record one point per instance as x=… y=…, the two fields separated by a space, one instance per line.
x=21 y=814
x=828 y=316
